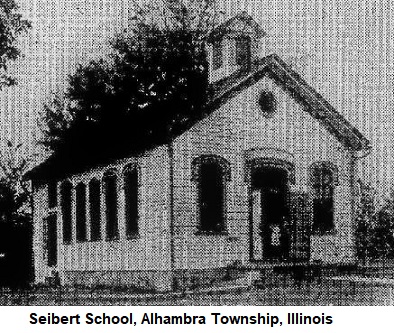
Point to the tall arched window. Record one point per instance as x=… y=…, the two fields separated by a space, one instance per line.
x=131 y=200
x=211 y=173
x=65 y=197
x=323 y=178
x=94 y=209
x=52 y=194
x=80 y=212
x=111 y=205
x=50 y=239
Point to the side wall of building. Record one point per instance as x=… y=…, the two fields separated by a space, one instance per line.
x=141 y=260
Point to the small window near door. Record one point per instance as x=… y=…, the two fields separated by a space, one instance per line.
x=211 y=197
x=323 y=177
x=211 y=174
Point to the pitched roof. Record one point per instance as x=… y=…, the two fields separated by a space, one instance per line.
x=59 y=165
x=284 y=75
x=239 y=24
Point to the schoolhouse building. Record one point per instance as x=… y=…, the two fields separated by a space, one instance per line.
x=268 y=175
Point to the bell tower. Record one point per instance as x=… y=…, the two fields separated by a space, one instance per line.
x=233 y=46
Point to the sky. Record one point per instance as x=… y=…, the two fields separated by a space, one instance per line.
x=342 y=48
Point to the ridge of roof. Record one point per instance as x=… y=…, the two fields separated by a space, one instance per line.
x=225 y=27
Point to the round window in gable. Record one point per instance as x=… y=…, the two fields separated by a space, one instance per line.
x=267 y=103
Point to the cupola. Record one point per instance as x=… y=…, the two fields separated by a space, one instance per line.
x=233 y=46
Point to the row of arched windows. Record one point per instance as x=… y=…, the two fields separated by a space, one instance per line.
x=106 y=192
x=211 y=173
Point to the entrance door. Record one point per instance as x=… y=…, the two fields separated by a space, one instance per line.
x=270 y=213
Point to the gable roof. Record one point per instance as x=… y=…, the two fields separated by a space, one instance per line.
x=313 y=102
x=219 y=93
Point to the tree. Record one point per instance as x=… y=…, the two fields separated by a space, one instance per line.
x=374 y=226
x=152 y=86
x=11 y=26
x=365 y=222
x=15 y=210
x=383 y=233
x=15 y=220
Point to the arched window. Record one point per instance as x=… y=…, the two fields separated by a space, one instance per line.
x=50 y=239
x=323 y=178
x=65 y=197
x=94 y=209
x=211 y=173
x=131 y=200
x=81 y=212
x=111 y=205
x=52 y=194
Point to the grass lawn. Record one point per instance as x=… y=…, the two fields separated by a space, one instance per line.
x=280 y=291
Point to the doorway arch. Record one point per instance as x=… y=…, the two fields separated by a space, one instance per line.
x=268 y=182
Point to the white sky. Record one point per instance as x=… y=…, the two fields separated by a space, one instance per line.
x=343 y=48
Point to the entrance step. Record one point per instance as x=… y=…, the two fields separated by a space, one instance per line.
x=265 y=274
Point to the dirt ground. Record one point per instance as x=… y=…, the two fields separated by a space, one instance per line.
x=326 y=291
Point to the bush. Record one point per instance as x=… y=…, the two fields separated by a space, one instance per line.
x=375 y=226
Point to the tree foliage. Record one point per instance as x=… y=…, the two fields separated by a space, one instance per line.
x=374 y=226
x=11 y=26
x=383 y=232
x=365 y=222
x=15 y=219
x=152 y=85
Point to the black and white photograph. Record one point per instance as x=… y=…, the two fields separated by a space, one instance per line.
x=197 y=152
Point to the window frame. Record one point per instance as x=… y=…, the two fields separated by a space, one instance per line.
x=225 y=170
x=93 y=210
x=51 y=250
x=52 y=194
x=115 y=236
x=135 y=220
x=316 y=190
x=267 y=103
x=69 y=212
x=81 y=234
